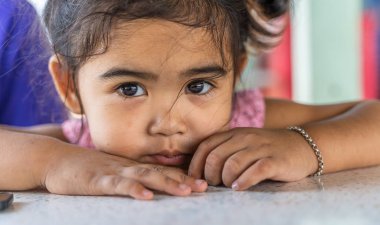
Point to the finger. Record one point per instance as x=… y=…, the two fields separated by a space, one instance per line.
x=196 y=185
x=118 y=185
x=156 y=180
x=196 y=167
x=237 y=163
x=259 y=171
x=134 y=189
x=216 y=159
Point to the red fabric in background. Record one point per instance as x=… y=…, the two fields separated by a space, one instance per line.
x=369 y=54
x=279 y=67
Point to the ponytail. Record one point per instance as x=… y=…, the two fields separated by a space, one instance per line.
x=270 y=8
x=264 y=26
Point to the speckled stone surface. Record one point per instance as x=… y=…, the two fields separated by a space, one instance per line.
x=351 y=197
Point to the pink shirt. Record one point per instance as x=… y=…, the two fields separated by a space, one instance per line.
x=248 y=111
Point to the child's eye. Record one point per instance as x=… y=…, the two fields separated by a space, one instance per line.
x=199 y=87
x=131 y=90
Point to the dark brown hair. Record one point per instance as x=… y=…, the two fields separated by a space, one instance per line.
x=80 y=29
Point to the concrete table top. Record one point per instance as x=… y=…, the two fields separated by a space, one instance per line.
x=350 y=197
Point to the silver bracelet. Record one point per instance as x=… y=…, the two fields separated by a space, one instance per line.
x=312 y=145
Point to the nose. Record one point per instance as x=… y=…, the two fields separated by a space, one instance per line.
x=168 y=123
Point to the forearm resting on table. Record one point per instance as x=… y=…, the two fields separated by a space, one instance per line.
x=51 y=130
x=24 y=158
x=351 y=139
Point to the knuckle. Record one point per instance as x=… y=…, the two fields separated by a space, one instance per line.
x=131 y=187
x=104 y=184
x=231 y=170
x=206 y=144
x=183 y=178
x=202 y=145
x=232 y=165
x=94 y=185
x=86 y=175
x=168 y=180
x=265 y=166
x=170 y=185
x=212 y=160
x=113 y=182
x=264 y=146
x=245 y=137
x=212 y=167
x=142 y=172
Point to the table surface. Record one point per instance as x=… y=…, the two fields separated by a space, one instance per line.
x=350 y=197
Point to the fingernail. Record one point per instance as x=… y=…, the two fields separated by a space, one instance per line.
x=183 y=187
x=147 y=193
x=235 y=186
x=199 y=182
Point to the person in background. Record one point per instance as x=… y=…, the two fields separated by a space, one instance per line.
x=27 y=95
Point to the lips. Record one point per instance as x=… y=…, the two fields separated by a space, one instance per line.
x=171 y=159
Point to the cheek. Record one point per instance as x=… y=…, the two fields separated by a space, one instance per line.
x=115 y=129
x=214 y=118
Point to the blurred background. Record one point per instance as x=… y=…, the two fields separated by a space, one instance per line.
x=330 y=53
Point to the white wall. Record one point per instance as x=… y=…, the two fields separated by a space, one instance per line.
x=326 y=51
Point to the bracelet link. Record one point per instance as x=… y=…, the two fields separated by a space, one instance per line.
x=313 y=145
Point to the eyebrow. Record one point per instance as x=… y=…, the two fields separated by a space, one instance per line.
x=211 y=69
x=123 y=72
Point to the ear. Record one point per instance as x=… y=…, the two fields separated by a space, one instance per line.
x=64 y=85
x=243 y=60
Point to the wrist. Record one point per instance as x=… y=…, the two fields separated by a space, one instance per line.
x=53 y=152
x=318 y=165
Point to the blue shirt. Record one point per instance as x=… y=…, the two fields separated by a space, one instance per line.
x=27 y=94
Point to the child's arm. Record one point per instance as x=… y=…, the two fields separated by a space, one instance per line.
x=29 y=161
x=51 y=130
x=348 y=136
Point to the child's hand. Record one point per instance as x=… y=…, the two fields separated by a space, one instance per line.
x=243 y=157
x=86 y=172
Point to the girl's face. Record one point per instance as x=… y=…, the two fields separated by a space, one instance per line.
x=159 y=90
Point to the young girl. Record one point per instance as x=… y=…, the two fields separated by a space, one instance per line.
x=154 y=82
